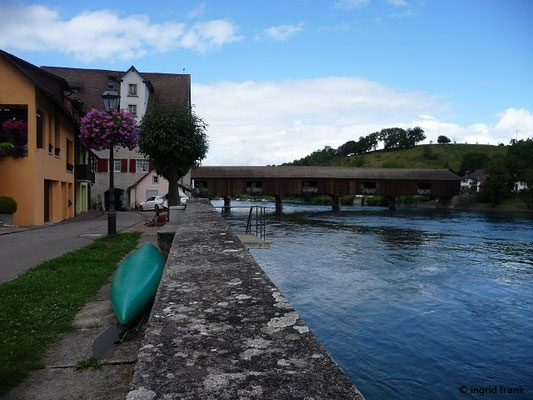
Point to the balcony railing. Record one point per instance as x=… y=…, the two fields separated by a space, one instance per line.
x=84 y=172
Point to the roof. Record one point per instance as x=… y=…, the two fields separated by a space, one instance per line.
x=323 y=173
x=175 y=88
x=478 y=175
x=146 y=81
x=150 y=172
x=51 y=85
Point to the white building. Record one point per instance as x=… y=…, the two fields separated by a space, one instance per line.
x=150 y=185
x=137 y=90
x=519 y=186
x=473 y=181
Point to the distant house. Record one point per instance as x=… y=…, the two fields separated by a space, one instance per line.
x=137 y=90
x=150 y=185
x=519 y=186
x=44 y=169
x=473 y=181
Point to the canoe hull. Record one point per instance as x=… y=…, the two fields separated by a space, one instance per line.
x=135 y=282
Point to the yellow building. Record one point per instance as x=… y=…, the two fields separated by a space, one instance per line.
x=41 y=177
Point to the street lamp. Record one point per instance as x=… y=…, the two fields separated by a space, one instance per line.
x=111 y=100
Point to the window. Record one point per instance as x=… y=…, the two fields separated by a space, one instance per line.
x=116 y=165
x=132 y=90
x=132 y=108
x=155 y=179
x=40 y=118
x=310 y=187
x=143 y=165
x=70 y=155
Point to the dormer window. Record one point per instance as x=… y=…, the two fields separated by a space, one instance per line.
x=132 y=90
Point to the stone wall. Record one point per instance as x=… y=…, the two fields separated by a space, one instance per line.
x=220 y=329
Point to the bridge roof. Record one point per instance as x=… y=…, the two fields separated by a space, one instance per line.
x=309 y=172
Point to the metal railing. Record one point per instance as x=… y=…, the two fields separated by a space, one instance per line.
x=257 y=221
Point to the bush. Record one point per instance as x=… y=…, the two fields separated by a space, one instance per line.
x=7 y=205
x=347 y=200
x=376 y=201
x=6 y=148
x=392 y=164
x=427 y=153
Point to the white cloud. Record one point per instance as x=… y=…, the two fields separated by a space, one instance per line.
x=398 y=3
x=259 y=123
x=197 y=11
x=351 y=4
x=104 y=34
x=281 y=32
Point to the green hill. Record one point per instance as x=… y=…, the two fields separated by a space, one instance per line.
x=421 y=156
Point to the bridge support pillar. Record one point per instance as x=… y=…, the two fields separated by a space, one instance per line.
x=335 y=203
x=393 y=203
x=444 y=202
x=227 y=203
x=279 y=204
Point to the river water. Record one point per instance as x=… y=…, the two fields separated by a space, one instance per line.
x=411 y=304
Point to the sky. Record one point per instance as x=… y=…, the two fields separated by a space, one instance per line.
x=278 y=79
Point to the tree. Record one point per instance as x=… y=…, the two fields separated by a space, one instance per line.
x=472 y=161
x=498 y=184
x=443 y=139
x=414 y=136
x=175 y=140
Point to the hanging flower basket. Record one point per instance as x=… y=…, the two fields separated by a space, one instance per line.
x=99 y=130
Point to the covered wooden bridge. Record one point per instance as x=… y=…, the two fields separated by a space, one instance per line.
x=233 y=182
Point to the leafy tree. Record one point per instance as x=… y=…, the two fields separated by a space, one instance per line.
x=520 y=158
x=472 y=161
x=443 y=139
x=348 y=148
x=392 y=137
x=414 y=136
x=175 y=139
x=498 y=184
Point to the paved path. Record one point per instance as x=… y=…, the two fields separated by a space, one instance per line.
x=22 y=250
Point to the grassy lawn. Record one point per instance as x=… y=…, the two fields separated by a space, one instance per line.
x=422 y=156
x=40 y=304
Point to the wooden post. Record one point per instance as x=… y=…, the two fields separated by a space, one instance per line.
x=227 y=203
x=335 y=203
x=393 y=203
x=279 y=204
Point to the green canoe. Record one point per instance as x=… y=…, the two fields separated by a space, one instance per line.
x=135 y=282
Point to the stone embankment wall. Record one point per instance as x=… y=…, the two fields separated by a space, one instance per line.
x=220 y=329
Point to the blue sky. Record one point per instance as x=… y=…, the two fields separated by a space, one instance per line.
x=293 y=76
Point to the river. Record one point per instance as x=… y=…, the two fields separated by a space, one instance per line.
x=412 y=304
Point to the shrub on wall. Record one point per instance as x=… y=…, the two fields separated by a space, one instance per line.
x=7 y=205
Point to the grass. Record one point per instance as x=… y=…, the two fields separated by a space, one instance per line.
x=421 y=156
x=40 y=304
x=91 y=363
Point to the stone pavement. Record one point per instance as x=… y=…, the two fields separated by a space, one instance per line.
x=59 y=379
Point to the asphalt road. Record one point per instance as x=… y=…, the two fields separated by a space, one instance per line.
x=23 y=250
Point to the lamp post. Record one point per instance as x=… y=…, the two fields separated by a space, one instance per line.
x=111 y=100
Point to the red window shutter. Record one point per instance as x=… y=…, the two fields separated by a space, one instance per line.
x=132 y=166
x=150 y=166
x=123 y=165
x=102 y=165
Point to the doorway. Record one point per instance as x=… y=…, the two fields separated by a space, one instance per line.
x=46 y=200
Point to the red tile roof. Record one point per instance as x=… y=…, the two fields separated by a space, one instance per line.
x=174 y=88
